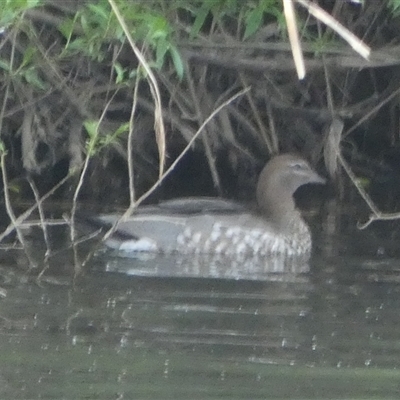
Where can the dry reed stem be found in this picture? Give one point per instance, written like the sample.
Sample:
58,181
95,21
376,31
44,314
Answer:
155,92
130,142
270,138
199,116
358,45
334,136
294,39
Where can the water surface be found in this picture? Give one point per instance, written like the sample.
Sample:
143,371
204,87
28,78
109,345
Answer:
108,332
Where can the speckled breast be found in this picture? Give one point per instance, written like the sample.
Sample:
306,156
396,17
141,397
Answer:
239,240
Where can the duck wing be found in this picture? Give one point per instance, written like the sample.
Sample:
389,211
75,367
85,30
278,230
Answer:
194,205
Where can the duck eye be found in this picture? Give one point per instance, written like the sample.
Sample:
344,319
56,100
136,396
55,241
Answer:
297,166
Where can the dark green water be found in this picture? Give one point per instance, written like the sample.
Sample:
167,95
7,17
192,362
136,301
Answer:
332,333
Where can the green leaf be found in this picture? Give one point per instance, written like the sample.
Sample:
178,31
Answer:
395,6
28,55
84,24
112,138
364,182
177,61
91,127
120,34
100,11
32,77
199,21
67,27
120,72
232,5
7,16
161,50
133,73
253,22
158,27
79,44
13,187
4,65
122,129
33,3
2,147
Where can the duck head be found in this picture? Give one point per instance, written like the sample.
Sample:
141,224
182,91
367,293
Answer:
278,181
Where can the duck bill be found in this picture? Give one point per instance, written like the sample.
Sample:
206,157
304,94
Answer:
315,178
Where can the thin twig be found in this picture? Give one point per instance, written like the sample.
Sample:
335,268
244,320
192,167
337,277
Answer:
46,265
376,213
30,210
10,211
132,207
372,112
269,138
379,217
85,167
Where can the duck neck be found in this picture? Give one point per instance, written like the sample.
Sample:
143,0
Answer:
281,211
